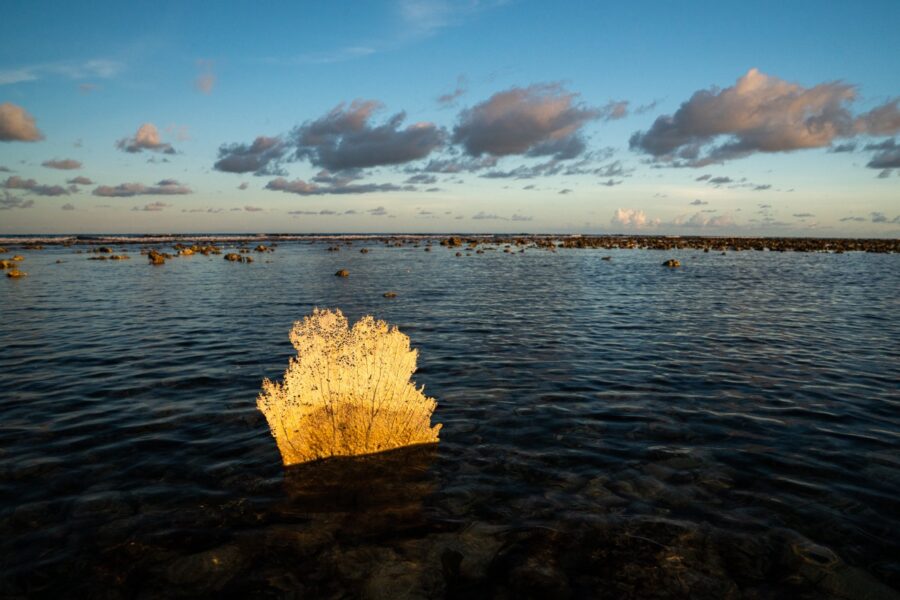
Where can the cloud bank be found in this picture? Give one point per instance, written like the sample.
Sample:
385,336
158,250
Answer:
760,113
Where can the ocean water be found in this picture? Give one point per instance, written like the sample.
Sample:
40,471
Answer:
611,428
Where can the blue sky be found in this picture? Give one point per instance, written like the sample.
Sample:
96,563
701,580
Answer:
773,118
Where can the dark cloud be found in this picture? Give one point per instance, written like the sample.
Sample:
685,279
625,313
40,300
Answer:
9,202
262,157
565,191
856,219
539,118
80,180
345,139
5,170
611,182
252,209
520,218
377,212
879,217
699,202
803,215
704,177
67,206
760,113
15,182
450,98
303,188
423,178
762,187
166,187
839,148
483,216
614,110
152,207
887,155
64,164
146,138
720,180
243,186
16,125
455,165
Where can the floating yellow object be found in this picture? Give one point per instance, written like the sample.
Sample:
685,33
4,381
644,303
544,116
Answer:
348,391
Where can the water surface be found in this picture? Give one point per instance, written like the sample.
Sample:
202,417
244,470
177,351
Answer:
611,428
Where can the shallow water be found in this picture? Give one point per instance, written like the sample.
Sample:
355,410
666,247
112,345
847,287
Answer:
610,428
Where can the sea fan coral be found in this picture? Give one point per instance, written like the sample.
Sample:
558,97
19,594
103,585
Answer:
347,393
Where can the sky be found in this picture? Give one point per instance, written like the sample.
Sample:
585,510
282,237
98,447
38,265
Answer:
656,117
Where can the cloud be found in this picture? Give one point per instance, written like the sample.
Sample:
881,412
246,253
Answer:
630,217
839,148
15,182
423,178
521,218
803,215
611,182
206,80
253,209
80,181
542,119
100,68
262,157
720,180
855,219
16,125
700,220
565,191
67,206
449,99
146,138
760,113
9,202
879,217
614,110
345,139
699,202
377,212
483,216
166,187
152,207
64,164
303,188
886,157
243,186
455,165
704,177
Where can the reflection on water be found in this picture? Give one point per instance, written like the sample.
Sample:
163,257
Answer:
611,428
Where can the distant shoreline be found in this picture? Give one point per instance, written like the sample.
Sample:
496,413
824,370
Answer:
544,241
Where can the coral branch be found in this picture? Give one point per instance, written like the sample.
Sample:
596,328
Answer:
348,391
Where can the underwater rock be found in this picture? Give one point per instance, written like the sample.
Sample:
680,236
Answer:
672,263
343,273
390,294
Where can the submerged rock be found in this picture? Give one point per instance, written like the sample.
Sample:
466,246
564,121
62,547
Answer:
672,263
342,273
390,294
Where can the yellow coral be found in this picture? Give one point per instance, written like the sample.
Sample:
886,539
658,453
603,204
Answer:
348,391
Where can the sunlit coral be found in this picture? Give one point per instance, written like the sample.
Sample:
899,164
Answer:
348,391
